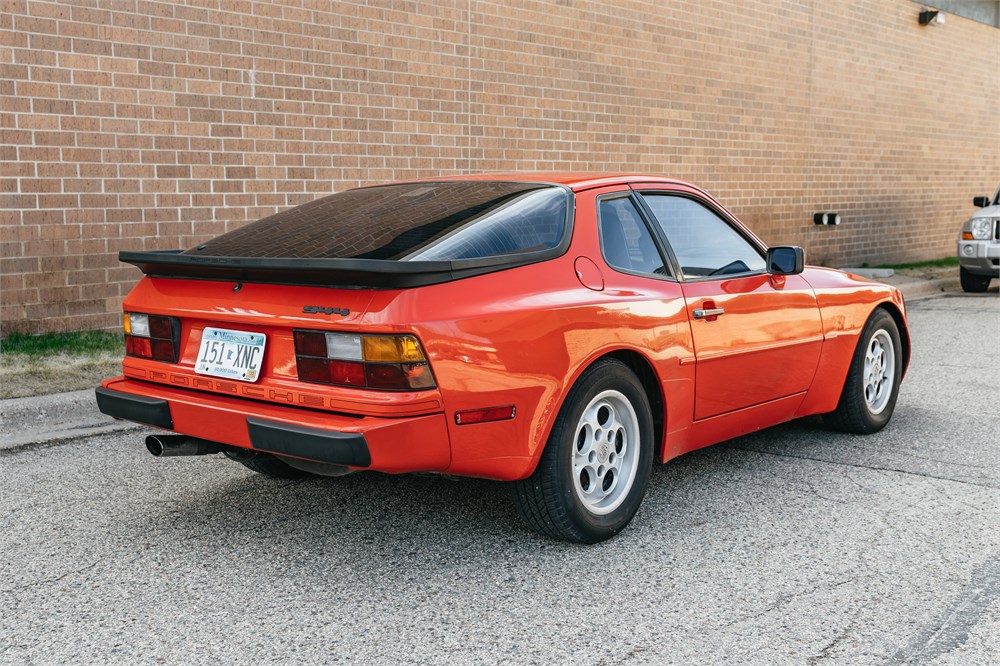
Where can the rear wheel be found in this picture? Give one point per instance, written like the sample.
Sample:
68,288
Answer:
268,465
595,467
872,385
972,283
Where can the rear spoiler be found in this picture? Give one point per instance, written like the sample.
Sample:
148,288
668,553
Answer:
372,273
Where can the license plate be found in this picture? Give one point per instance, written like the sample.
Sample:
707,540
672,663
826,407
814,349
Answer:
231,354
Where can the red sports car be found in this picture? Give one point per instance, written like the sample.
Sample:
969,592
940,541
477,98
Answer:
560,331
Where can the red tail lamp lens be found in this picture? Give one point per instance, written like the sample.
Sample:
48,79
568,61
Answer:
399,376
163,350
140,347
313,370
347,373
309,343
159,327
386,376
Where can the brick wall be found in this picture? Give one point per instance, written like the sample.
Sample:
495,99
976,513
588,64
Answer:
133,124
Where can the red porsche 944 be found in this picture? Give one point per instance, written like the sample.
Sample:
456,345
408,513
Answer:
560,331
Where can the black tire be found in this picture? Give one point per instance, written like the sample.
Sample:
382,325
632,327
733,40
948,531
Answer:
854,413
268,465
972,283
549,500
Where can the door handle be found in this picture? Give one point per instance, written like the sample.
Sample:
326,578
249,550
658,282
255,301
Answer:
709,312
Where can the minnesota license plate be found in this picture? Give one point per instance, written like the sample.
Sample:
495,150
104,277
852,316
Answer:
230,354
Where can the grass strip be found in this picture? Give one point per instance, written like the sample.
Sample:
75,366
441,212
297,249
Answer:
943,262
84,343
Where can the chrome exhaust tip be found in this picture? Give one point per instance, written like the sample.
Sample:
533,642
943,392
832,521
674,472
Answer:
179,445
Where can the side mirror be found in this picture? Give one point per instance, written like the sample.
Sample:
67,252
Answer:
981,202
785,260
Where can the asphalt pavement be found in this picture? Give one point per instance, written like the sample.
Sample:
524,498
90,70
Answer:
794,545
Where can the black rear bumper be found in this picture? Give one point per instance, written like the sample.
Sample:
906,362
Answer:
287,439
138,408
339,448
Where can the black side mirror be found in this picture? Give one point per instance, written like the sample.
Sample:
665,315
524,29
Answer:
981,202
785,260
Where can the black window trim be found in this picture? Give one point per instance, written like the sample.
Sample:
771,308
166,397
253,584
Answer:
722,215
657,243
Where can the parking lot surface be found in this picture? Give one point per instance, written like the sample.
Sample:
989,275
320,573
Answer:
794,545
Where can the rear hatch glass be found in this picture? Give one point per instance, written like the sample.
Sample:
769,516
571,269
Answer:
413,222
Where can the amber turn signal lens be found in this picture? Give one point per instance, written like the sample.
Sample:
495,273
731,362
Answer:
967,235
392,349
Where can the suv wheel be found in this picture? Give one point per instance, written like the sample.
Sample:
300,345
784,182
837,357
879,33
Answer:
972,283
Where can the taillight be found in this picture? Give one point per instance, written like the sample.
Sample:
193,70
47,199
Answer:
387,362
152,336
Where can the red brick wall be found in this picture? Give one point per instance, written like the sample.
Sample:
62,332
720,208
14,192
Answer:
133,124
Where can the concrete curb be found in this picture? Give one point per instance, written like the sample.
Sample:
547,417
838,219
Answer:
910,286
916,288
47,418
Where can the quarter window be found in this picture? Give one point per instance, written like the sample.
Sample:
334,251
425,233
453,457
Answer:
625,239
705,244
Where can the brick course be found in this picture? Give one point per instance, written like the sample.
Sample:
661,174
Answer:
155,125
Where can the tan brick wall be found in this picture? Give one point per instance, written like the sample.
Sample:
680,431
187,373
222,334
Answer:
132,124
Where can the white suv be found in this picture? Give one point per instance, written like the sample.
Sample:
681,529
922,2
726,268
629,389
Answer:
979,245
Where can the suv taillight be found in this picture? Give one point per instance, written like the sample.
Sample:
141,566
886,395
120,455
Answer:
386,362
152,336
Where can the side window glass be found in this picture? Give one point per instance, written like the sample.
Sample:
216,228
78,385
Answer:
625,239
704,243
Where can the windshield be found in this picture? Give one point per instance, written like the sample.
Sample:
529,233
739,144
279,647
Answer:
408,222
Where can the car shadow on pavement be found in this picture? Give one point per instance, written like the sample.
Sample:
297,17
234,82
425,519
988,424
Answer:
381,518
384,516
435,516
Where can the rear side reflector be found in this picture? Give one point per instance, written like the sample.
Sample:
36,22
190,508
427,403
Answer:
485,415
385,362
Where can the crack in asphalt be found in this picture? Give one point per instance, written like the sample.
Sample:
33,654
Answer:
952,498
48,581
841,635
950,309
784,600
860,466
909,454
952,629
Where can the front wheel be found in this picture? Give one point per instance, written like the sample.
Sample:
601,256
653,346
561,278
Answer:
972,283
593,472
872,385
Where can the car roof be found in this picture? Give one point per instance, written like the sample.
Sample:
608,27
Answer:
575,180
